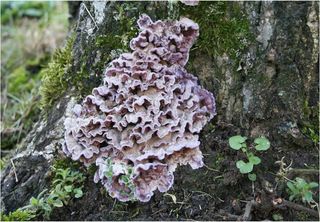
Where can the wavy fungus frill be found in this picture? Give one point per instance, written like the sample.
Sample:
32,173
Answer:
145,119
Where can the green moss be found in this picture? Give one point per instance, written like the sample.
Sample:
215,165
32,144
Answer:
312,134
220,32
18,215
105,47
306,108
310,127
63,163
2,163
303,216
224,27
218,160
117,42
54,82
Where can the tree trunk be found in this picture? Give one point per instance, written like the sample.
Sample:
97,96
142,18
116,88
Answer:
268,87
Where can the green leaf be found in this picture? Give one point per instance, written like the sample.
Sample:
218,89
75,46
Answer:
47,207
78,193
313,185
34,201
262,143
300,183
68,188
108,174
125,179
57,181
291,197
254,160
277,217
244,167
307,196
235,142
291,186
252,176
58,203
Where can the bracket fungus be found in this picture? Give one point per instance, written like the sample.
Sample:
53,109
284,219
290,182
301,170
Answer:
145,119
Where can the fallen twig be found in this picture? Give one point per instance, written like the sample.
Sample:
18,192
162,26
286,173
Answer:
247,213
202,193
227,216
14,170
298,207
209,168
293,171
95,23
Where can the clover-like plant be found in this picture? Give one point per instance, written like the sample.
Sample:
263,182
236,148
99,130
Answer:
239,143
299,189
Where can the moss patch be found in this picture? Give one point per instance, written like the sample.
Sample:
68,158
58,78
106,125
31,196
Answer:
53,76
224,28
18,215
108,43
310,128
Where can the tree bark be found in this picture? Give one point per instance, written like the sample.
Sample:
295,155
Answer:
271,90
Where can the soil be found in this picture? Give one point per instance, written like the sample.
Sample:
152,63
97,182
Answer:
215,192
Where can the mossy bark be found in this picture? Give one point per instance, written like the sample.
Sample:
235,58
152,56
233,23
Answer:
265,86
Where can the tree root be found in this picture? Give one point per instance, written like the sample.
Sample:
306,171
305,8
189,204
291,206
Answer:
284,203
278,203
293,172
227,216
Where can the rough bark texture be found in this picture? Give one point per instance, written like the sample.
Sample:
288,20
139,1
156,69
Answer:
271,89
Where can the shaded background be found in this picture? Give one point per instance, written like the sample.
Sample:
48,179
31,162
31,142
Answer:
30,33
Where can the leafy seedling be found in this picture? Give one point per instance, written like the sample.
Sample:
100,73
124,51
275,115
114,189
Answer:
239,143
66,184
244,167
236,142
262,143
299,189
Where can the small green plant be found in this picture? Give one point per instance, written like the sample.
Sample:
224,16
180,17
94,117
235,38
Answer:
67,184
277,217
239,143
299,189
18,215
39,205
312,134
70,182
125,179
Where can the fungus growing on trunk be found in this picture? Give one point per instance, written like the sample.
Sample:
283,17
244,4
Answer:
145,119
